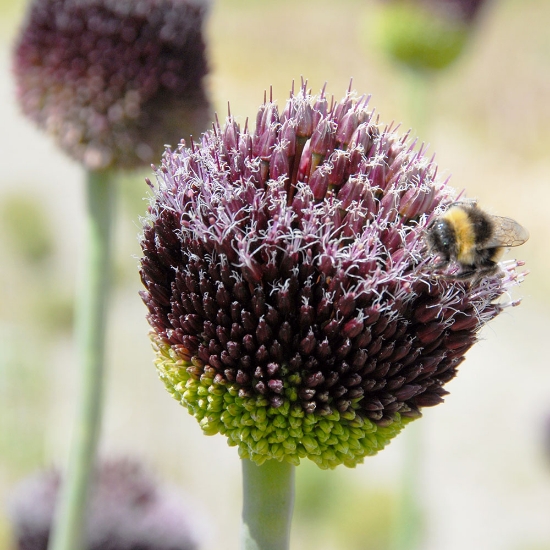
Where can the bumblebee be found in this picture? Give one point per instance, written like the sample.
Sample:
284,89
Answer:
473,239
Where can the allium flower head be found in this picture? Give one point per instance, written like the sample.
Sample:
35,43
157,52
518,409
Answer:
113,81
127,511
427,34
289,287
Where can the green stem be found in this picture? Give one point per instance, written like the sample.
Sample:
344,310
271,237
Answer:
420,86
70,526
409,529
409,526
268,499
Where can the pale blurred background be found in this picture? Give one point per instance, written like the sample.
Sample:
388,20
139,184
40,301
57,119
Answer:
484,477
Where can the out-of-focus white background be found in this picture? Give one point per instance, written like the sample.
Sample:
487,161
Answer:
483,478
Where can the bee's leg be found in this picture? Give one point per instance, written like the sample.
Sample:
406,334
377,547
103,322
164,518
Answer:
476,274
468,272
464,275
433,269
488,270
442,264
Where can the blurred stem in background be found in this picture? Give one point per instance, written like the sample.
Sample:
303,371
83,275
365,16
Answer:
111,82
420,84
424,37
69,525
268,501
409,530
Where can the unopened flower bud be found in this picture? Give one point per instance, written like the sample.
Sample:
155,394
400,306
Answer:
426,34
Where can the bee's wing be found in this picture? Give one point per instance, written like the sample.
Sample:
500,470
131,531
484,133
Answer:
507,232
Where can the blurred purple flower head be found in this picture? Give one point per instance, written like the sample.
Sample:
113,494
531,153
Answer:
289,286
111,80
460,10
127,511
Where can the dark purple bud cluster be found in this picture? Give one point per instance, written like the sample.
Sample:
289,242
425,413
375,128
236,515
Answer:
289,287
113,81
127,510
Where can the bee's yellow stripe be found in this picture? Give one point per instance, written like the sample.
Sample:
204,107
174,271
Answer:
464,232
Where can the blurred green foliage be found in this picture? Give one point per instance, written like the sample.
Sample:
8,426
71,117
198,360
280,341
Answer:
30,244
331,507
27,229
23,381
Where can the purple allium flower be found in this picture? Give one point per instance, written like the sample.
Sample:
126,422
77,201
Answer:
289,286
427,34
112,80
460,10
127,511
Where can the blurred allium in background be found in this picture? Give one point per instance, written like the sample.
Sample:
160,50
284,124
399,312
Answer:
111,80
289,286
426,34
127,511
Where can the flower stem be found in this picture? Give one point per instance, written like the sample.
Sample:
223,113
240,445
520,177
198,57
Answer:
408,532
69,528
409,529
268,500
420,97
